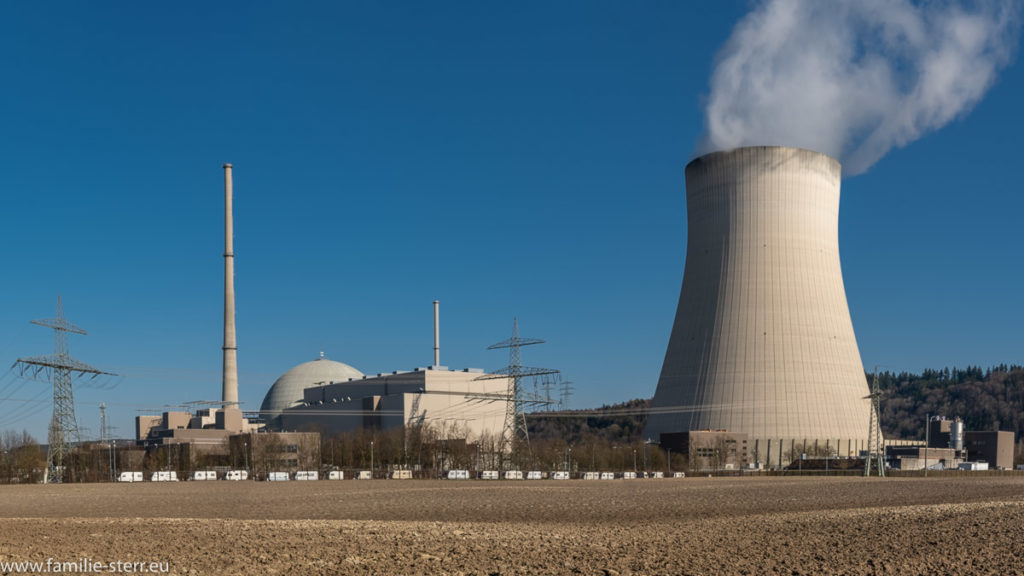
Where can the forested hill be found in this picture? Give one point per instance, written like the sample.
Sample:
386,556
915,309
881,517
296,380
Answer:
986,399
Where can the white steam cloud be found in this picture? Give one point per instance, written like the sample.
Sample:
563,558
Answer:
853,79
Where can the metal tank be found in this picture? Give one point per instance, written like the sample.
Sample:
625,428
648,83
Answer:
956,435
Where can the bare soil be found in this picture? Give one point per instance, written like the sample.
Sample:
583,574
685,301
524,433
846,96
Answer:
952,525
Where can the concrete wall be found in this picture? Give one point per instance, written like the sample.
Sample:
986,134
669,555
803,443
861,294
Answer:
762,342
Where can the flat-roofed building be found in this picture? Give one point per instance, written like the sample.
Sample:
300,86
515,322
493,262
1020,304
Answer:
457,404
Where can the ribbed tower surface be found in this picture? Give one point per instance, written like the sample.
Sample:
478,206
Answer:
762,341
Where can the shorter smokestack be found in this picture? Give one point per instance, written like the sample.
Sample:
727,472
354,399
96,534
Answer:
437,334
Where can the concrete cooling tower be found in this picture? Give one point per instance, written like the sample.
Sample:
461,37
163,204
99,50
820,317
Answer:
762,342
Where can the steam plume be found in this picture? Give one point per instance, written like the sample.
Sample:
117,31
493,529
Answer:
853,79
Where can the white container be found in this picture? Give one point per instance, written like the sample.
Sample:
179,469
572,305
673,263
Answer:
307,475
364,475
973,466
336,475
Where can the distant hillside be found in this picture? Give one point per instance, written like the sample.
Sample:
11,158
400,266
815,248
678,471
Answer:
990,399
986,399
574,428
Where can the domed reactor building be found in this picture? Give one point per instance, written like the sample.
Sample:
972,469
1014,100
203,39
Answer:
762,349
287,391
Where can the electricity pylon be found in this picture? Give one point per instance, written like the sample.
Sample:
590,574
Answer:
514,435
876,446
61,370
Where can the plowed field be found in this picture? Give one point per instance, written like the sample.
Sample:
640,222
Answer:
963,525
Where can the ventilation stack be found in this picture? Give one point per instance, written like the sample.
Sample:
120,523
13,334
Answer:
229,381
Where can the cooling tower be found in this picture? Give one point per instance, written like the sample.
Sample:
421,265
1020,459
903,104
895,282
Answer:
762,341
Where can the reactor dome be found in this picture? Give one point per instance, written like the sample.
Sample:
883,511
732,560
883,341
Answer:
287,390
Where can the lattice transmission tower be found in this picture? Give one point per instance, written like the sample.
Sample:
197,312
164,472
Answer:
876,445
515,439
61,370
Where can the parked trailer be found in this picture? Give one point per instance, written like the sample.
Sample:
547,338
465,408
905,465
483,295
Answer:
679,474
489,475
657,474
607,475
307,475
534,475
629,475
203,475
277,476
336,475
364,475
458,475
164,476
560,475
401,474
236,475
130,477
591,475
513,475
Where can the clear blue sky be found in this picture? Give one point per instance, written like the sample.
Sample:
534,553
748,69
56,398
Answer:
520,159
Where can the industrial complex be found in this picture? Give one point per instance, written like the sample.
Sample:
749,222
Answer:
761,372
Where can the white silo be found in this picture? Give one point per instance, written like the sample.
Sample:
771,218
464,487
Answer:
762,342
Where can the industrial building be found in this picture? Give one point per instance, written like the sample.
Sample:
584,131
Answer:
709,450
457,404
263,453
334,398
762,342
948,446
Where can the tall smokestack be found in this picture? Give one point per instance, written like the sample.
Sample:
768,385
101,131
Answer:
437,334
229,383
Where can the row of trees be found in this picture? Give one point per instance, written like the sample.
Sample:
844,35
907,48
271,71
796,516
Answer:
22,460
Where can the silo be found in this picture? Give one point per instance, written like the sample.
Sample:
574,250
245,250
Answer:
956,435
762,341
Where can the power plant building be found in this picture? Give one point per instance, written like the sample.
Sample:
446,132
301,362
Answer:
456,404
762,342
288,391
